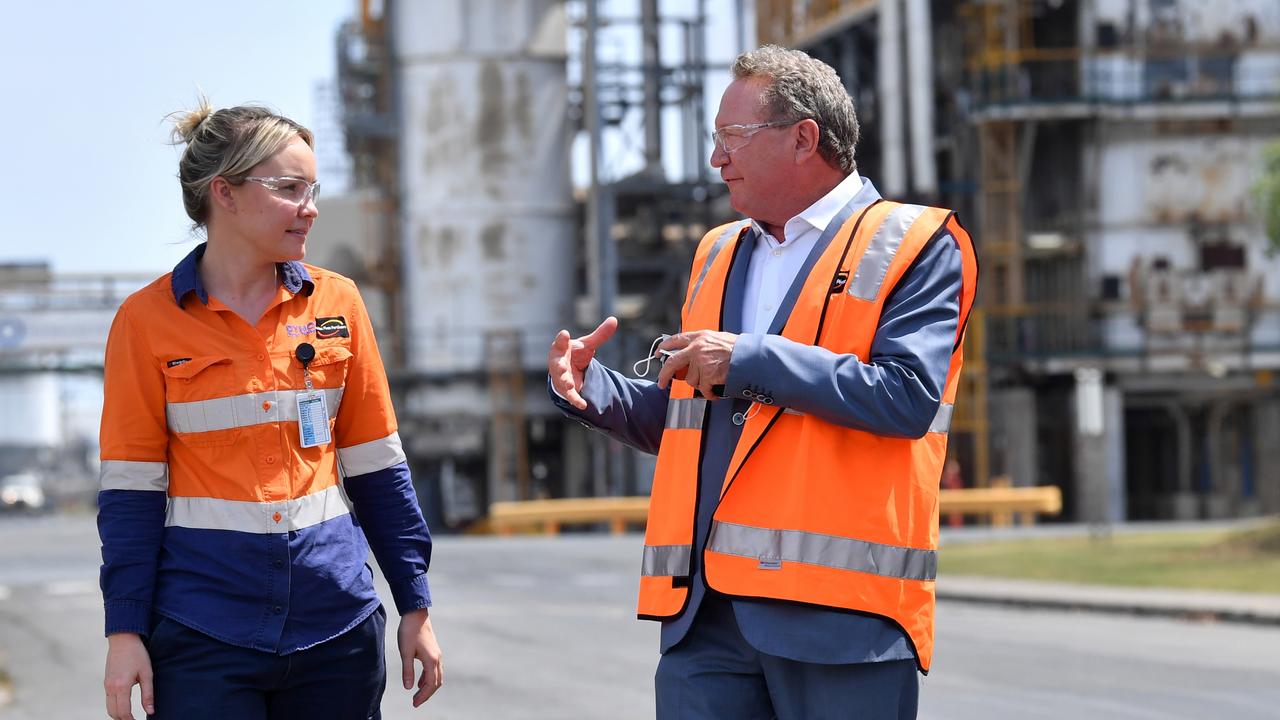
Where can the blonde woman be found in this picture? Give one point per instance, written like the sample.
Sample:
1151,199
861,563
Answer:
251,460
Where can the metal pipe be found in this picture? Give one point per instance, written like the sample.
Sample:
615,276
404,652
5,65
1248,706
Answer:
889,85
649,32
924,173
599,288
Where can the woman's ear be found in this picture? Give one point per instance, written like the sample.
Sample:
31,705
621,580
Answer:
220,194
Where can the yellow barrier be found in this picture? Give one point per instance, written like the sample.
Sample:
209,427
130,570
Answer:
506,517
998,503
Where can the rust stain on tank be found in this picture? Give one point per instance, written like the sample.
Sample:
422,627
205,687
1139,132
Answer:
491,126
424,245
492,241
520,107
447,245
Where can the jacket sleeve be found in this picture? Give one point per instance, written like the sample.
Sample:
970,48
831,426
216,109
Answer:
134,479
630,411
375,472
895,392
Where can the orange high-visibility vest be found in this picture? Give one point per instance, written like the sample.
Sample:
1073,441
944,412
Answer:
812,512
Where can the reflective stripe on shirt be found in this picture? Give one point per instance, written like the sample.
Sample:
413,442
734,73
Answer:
372,456
239,411
257,517
133,475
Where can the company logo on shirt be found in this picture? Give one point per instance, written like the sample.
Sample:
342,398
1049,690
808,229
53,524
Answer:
331,327
300,330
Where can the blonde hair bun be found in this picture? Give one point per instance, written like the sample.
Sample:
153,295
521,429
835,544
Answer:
187,123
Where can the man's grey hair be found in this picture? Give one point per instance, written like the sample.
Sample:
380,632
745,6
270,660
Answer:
803,87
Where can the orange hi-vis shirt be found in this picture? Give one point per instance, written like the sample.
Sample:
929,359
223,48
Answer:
214,512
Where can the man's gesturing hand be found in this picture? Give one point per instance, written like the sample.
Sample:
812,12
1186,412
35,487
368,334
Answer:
568,360
700,358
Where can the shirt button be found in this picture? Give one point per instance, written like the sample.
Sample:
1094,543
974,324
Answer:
777,252
279,563
271,459
768,307
277,609
276,517
266,406
260,356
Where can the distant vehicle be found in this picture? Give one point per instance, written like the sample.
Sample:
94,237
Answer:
21,492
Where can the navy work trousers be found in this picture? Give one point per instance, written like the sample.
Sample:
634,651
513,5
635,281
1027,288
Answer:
200,678
715,674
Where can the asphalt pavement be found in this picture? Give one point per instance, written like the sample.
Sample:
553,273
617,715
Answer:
536,627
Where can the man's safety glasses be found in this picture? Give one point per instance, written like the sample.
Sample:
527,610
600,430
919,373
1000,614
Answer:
294,189
733,137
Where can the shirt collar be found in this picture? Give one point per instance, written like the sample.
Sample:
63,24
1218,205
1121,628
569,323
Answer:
819,214
186,277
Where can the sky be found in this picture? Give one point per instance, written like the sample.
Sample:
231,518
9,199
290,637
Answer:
88,182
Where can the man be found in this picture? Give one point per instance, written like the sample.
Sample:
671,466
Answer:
800,420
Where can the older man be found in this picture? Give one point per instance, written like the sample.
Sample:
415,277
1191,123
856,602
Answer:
800,420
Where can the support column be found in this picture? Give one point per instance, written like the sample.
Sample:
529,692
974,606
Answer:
1266,451
1184,503
1093,491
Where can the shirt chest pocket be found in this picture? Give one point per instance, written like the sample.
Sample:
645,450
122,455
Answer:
202,397
329,368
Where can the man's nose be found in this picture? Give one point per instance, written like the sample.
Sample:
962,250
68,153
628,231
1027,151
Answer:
719,158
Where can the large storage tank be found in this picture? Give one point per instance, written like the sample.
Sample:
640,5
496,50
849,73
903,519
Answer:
488,238
488,211
31,410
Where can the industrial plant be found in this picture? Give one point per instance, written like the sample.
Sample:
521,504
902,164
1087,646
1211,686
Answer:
520,166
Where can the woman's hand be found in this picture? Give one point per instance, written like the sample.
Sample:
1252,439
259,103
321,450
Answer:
418,641
128,664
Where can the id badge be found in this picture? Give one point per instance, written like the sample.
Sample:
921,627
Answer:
313,419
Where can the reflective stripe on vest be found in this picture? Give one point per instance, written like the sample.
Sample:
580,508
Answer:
773,547
883,248
257,517
942,420
133,475
686,413
666,560
239,411
729,233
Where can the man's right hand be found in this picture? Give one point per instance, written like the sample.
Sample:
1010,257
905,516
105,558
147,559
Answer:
128,664
569,357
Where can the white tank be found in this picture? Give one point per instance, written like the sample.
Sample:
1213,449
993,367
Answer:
489,232
32,409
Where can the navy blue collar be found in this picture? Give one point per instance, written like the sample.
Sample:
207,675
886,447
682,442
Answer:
186,277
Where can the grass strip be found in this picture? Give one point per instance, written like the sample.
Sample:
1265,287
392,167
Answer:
1201,560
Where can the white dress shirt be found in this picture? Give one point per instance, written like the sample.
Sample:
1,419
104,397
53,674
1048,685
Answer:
774,265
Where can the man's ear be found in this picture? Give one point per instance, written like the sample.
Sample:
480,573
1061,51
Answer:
807,136
220,193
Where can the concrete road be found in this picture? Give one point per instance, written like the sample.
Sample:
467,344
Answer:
543,628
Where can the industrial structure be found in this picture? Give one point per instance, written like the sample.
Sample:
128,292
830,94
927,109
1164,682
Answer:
1101,152
53,329
519,166
464,229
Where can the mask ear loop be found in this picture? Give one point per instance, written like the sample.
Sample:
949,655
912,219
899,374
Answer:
742,418
653,355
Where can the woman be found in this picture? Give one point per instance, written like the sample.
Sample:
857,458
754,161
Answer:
234,573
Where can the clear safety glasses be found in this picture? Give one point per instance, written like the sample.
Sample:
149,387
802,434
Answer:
733,137
294,189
